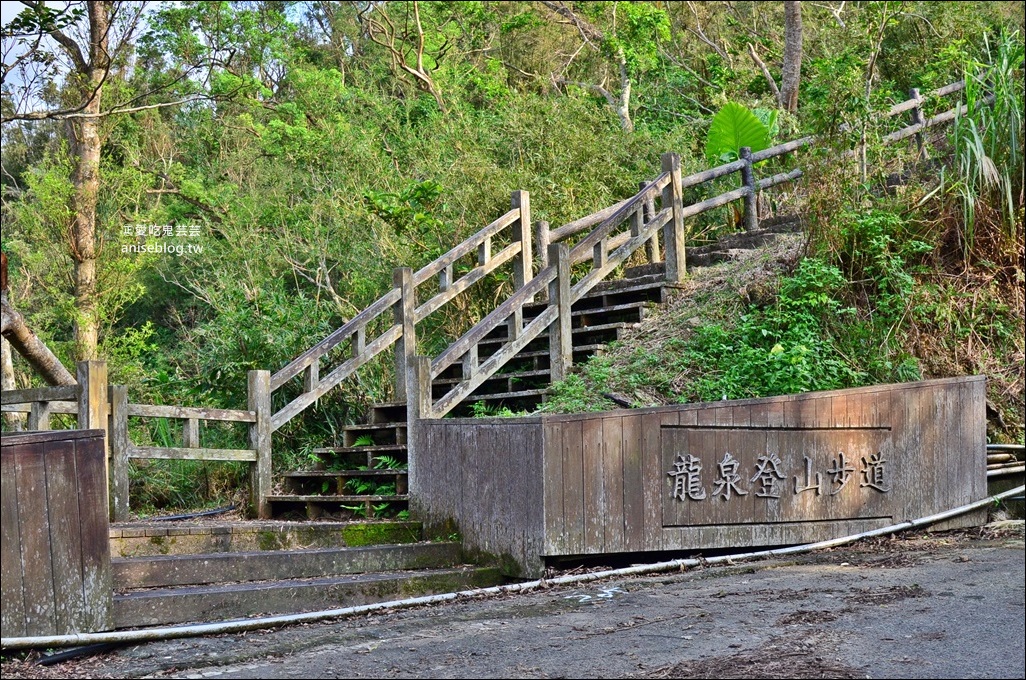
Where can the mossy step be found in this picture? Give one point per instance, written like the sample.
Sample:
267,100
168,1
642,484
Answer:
180,538
165,571
224,602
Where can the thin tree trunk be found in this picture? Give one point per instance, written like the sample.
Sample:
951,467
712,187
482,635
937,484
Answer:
84,137
14,421
792,71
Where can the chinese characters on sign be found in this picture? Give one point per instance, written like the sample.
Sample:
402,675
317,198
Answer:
768,479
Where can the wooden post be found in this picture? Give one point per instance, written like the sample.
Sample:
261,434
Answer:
561,350
523,265
92,397
190,433
748,180
406,345
541,230
673,232
39,416
418,406
648,212
917,117
119,444
259,384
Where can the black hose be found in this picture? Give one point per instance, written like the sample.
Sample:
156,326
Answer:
193,515
74,653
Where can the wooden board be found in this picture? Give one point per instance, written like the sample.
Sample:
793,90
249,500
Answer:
56,548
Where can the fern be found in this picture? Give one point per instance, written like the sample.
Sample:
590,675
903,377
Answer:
388,463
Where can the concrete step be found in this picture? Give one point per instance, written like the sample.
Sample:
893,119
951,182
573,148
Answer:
139,539
166,571
229,601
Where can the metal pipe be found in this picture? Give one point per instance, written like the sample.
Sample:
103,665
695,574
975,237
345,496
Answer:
999,472
169,633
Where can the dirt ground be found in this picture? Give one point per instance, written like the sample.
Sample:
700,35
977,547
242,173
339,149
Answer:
923,605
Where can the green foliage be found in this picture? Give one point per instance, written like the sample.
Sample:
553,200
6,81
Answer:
734,127
388,463
783,349
988,139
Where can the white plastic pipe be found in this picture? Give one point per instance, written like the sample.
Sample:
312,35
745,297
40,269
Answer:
238,626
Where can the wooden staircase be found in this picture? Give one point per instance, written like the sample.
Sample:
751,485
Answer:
366,475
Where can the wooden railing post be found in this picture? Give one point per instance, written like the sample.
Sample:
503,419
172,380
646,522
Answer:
92,397
561,351
917,117
259,384
542,231
119,453
405,346
39,416
523,265
418,407
751,198
92,409
648,212
673,232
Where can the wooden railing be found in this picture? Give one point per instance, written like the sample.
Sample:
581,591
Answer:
401,301
98,405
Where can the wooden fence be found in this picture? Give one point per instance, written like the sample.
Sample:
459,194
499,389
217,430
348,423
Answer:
98,405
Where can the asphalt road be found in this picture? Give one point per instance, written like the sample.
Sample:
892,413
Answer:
926,606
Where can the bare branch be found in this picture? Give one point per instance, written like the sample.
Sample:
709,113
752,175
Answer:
766,74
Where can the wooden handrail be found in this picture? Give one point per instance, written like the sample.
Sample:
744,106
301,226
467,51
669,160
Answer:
470,278
912,103
468,246
340,373
191,412
361,320
58,393
633,204
492,321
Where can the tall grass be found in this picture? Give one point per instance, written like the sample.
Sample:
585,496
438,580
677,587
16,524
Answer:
987,138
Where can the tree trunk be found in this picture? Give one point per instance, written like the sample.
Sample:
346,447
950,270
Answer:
791,75
31,347
623,106
15,422
84,138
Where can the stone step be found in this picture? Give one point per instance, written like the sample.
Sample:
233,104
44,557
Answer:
230,601
141,539
165,571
